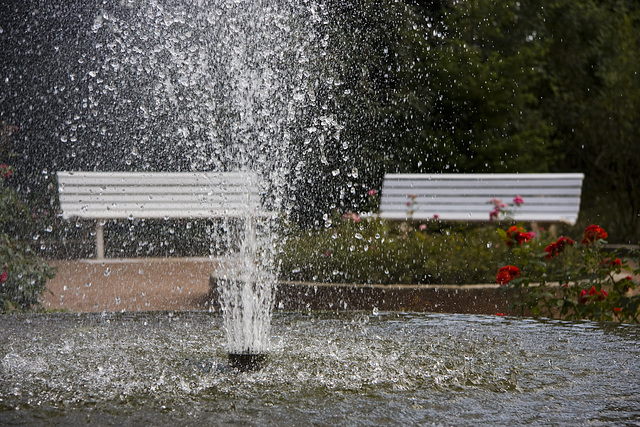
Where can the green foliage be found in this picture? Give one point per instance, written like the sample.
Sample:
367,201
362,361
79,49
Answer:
23,275
593,62
486,75
26,276
575,281
352,249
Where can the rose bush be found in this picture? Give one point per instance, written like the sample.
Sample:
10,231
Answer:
573,282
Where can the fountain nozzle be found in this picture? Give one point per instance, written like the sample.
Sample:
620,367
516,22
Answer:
247,362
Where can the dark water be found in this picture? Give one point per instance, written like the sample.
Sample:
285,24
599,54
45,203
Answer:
324,369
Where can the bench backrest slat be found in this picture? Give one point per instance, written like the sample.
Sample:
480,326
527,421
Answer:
465,197
107,195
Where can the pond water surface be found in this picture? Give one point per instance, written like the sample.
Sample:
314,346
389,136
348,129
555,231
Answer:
352,368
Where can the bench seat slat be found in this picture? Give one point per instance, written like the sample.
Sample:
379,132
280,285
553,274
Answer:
479,217
184,214
68,189
163,205
483,176
200,199
484,191
482,208
141,208
479,201
437,184
156,178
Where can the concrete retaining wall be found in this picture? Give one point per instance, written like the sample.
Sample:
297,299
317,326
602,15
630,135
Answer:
473,299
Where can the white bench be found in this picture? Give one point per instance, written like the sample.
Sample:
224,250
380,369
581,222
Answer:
121,195
548,197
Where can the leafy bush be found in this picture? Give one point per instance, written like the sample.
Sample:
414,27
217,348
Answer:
572,280
354,249
23,275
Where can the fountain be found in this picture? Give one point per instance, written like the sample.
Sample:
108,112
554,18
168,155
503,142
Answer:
224,75
166,85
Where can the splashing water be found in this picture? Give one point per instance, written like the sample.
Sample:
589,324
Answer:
197,86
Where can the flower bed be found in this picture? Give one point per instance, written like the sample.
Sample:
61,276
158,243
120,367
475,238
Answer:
544,276
369,250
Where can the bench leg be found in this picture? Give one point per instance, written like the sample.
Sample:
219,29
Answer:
99,239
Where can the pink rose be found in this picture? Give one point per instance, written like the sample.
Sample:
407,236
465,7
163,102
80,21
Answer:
5,170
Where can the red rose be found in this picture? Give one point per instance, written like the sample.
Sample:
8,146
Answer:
613,264
3,276
592,294
593,233
517,235
555,248
507,274
583,296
